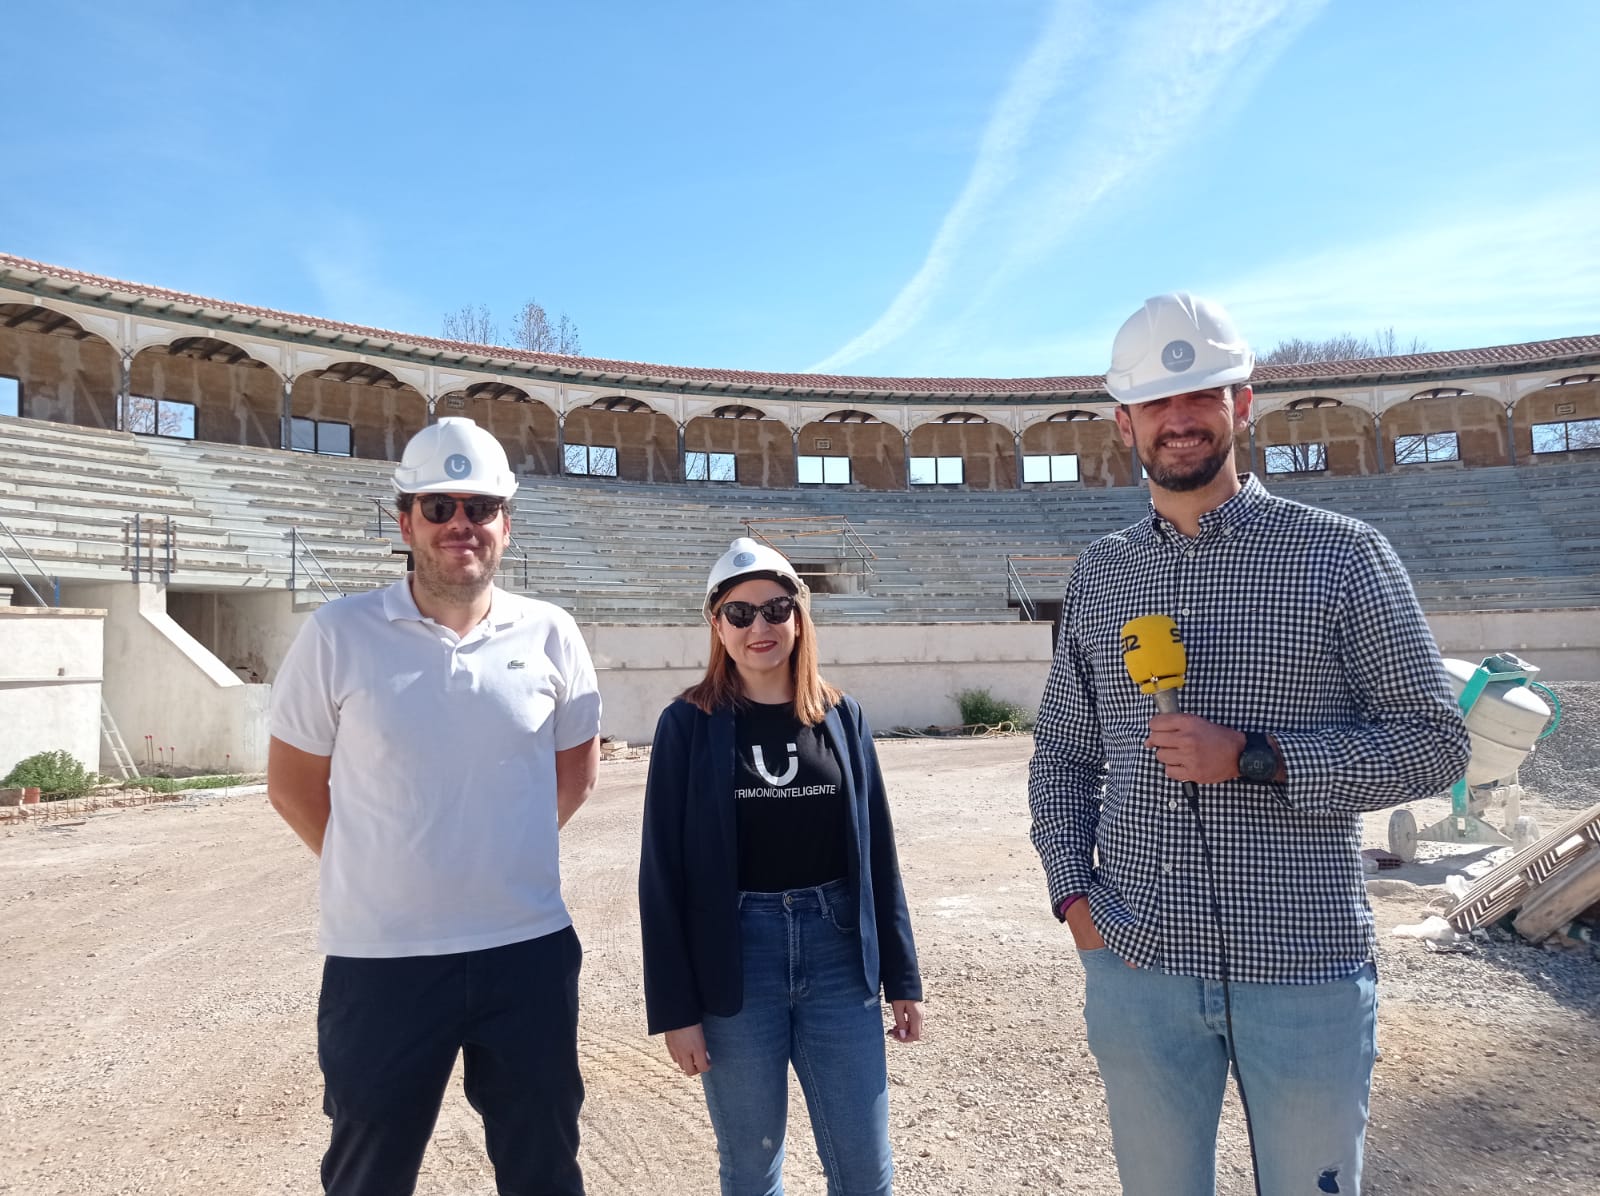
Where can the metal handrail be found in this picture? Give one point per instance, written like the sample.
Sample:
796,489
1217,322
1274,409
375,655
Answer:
384,512
11,565
297,544
850,540
138,550
1018,588
514,552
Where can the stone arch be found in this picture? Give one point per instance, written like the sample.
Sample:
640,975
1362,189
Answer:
1345,430
988,451
525,425
876,449
383,412
64,372
1568,400
762,447
235,398
1477,421
646,441
1091,437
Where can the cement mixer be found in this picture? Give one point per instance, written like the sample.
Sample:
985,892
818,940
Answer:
1506,716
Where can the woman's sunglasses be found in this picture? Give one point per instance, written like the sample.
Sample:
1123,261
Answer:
775,611
441,508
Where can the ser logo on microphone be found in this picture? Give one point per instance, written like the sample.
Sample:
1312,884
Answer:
1153,652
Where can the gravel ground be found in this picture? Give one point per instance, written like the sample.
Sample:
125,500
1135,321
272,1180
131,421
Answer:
161,970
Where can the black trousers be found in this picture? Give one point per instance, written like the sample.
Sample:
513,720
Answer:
388,1031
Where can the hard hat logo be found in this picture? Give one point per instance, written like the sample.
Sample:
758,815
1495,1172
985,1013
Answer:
744,560
1177,356
457,466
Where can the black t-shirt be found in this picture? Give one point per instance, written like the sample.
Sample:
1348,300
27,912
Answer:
788,802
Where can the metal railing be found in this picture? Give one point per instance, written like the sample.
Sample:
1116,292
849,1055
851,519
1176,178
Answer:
383,512
316,572
850,543
54,582
169,544
1039,569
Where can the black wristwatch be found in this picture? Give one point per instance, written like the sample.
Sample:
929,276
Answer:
1258,762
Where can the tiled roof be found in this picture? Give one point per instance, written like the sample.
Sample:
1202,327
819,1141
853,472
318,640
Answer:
1281,376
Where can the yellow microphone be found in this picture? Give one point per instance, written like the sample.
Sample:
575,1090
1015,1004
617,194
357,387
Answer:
1153,652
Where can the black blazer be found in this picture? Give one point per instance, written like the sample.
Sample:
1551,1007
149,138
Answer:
688,871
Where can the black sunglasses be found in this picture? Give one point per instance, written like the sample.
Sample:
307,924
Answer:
441,508
775,611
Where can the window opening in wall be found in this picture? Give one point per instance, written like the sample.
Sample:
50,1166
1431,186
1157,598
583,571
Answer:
593,460
824,471
1296,458
936,471
710,467
326,436
1567,436
10,396
1051,467
158,417
1425,447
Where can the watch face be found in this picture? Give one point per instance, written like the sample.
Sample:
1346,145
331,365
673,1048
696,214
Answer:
1257,762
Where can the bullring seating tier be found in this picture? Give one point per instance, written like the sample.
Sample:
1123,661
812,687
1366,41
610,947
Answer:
1473,539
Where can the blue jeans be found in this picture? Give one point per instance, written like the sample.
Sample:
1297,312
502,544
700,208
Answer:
806,1002
1305,1054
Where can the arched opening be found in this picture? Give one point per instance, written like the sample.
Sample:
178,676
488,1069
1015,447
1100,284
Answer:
1316,436
1445,426
381,411
740,445
524,425
851,448
962,448
202,388
1560,421
619,436
1076,446
51,367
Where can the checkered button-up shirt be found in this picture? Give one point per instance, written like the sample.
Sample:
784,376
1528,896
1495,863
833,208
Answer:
1298,622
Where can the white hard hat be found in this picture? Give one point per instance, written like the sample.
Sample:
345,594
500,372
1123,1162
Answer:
1175,344
747,558
454,456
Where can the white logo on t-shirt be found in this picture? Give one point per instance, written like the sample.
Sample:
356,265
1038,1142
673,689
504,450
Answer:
794,765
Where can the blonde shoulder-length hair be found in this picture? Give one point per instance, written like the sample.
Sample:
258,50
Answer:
721,687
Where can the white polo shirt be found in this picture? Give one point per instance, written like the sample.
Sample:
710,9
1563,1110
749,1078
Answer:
443,831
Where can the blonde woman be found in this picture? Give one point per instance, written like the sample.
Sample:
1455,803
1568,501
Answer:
769,892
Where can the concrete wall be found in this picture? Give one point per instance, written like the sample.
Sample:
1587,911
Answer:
161,681
248,631
64,379
1565,644
903,674
50,677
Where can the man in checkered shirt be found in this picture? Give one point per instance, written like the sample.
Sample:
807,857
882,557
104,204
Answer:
1313,693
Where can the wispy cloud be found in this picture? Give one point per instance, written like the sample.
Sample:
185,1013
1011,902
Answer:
1051,153
1470,277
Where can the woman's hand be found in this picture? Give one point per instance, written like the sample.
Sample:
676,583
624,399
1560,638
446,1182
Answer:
907,1021
688,1049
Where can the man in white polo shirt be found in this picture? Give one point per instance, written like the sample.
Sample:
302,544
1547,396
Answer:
428,742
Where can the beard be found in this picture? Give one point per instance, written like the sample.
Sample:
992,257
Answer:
1195,475
458,583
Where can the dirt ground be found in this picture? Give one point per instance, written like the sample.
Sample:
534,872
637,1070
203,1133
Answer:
160,976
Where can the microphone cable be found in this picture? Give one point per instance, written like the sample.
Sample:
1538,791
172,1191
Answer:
1157,660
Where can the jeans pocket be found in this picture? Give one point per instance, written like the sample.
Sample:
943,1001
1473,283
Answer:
841,909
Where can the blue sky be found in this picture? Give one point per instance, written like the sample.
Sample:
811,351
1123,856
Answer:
903,187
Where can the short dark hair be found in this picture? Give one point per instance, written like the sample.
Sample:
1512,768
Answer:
402,503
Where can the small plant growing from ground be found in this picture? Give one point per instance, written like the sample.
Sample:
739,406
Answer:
56,775
979,707
179,784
